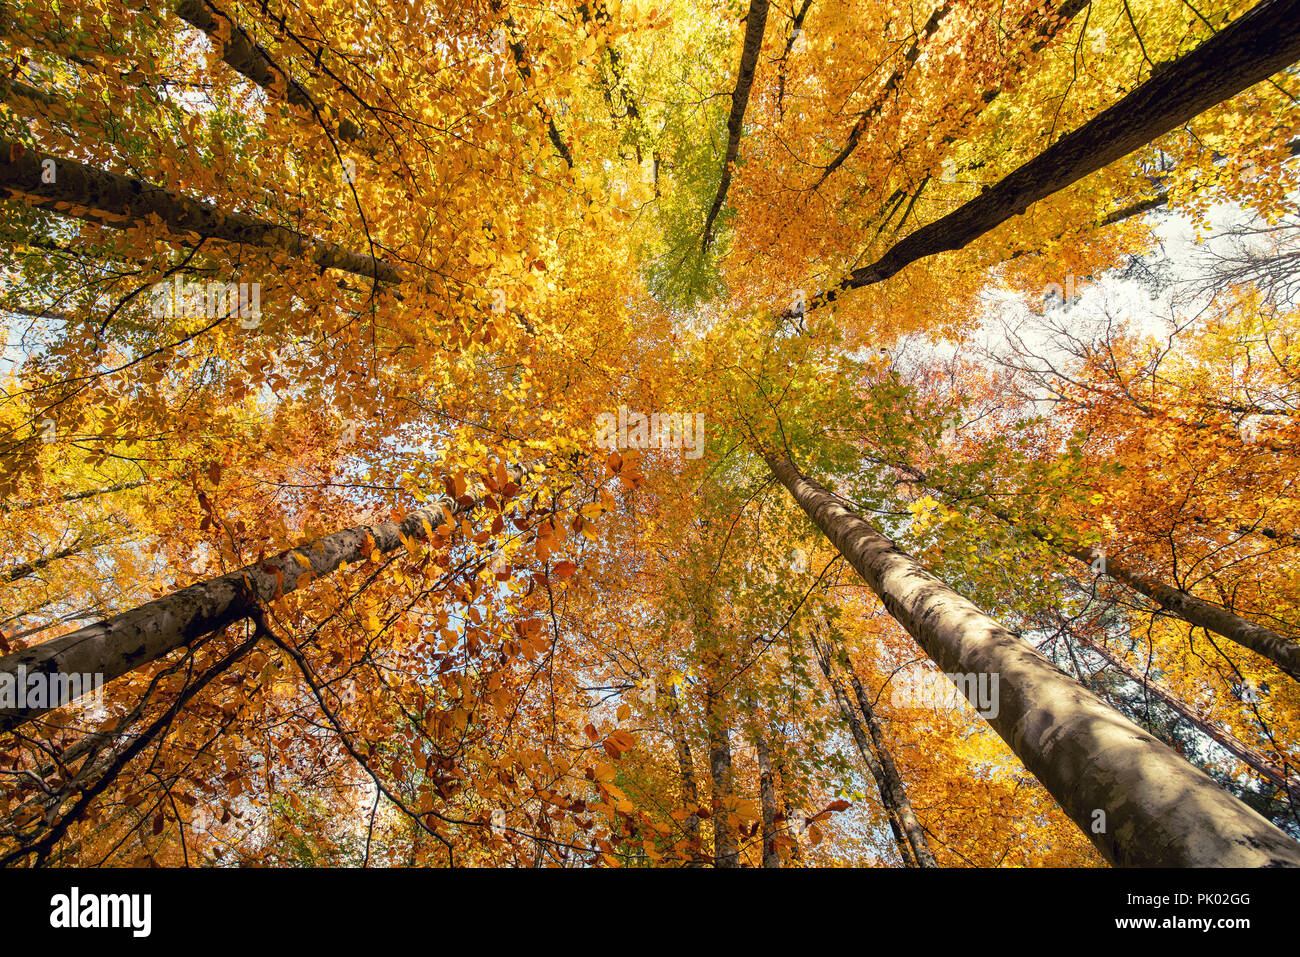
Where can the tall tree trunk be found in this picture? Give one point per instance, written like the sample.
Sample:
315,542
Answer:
1135,799
685,768
868,754
52,623
1046,24
872,112
893,780
145,633
525,71
785,788
1281,650
767,795
726,851
787,809
36,564
755,24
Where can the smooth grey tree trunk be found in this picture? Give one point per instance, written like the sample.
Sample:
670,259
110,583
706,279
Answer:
873,765
726,850
767,795
134,638
1136,800
1281,650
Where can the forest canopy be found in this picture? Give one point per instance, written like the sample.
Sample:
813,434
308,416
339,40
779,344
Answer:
650,433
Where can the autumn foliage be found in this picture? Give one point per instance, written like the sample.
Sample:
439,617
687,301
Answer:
472,228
